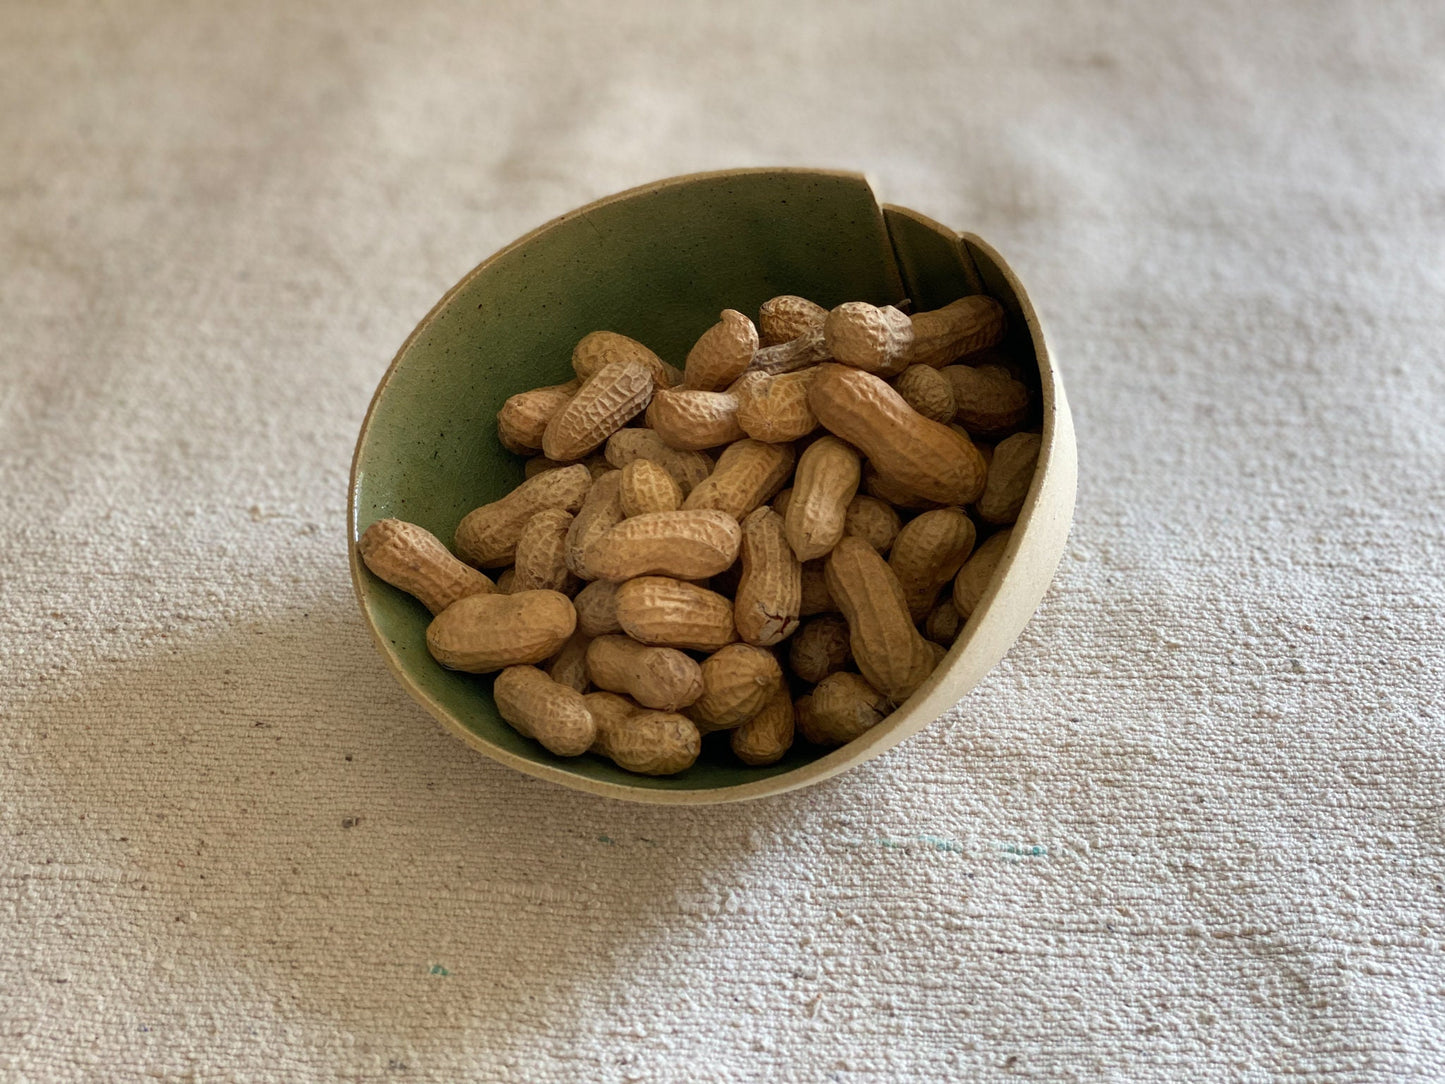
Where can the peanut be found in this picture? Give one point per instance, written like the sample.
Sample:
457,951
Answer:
487,536
783,318
977,574
888,649
656,677
815,596
690,420
482,633
780,502
541,553
943,622
1009,478
569,666
927,553
524,416
744,386
647,487
506,580
923,456
876,340
686,544
826,481
807,349
600,512
748,474
776,409
596,606
687,468
927,391
819,648
765,737
540,708
872,520
652,743
841,707
944,335
723,352
890,492
770,589
601,348
938,653
608,711
413,559
737,681
990,401
613,396
673,613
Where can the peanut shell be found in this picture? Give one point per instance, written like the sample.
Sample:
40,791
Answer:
414,560
482,633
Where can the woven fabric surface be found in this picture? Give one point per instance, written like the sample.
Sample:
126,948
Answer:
1192,826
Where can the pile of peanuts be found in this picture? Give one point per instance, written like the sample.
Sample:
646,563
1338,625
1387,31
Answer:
759,543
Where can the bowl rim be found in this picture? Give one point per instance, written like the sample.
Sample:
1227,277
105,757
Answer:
1043,524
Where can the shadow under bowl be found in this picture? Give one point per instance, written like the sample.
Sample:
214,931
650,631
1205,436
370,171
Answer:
658,263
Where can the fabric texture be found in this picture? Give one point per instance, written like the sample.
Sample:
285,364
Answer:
1192,826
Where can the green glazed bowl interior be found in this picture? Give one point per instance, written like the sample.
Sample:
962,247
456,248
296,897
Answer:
657,263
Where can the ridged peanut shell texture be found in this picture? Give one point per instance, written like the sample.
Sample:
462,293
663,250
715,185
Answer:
977,573
765,737
887,648
776,409
655,677
770,588
688,544
541,563
482,633
944,335
647,487
413,559
823,487
653,743
601,511
819,648
842,707
524,417
990,401
872,520
923,456
874,339
690,419
748,473
603,405
736,682
787,316
540,708
723,352
599,349
927,391
1009,477
487,536
673,613
927,553
687,468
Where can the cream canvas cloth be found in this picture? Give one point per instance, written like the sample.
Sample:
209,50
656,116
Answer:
1193,826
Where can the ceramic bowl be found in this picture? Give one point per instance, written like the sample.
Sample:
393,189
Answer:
658,263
